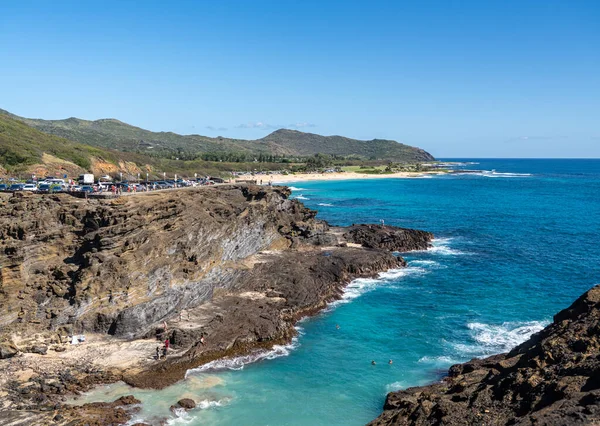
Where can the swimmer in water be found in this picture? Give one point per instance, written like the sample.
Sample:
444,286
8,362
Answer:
337,326
373,362
390,362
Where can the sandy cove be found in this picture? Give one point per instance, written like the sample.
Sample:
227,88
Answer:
230,269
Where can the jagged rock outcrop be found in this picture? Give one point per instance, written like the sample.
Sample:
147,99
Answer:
389,237
552,379
219,271
119,266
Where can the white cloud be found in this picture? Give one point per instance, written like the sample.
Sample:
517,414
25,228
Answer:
262,125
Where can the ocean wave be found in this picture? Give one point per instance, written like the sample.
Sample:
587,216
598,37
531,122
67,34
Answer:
238,363
301,197
182,417
442,246
293,188
493,174
325,204
396,386
497,338
438,360
206,404
361,286
430,264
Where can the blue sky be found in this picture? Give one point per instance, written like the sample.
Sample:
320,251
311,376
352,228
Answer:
457,78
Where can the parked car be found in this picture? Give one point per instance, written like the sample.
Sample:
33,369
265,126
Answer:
44,187
16,187
87,188
30,187
161,184
3,187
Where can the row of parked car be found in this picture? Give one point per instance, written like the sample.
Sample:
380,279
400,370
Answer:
51,187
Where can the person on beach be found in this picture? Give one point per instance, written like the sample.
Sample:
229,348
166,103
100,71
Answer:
164,350
202,339
158,352
167,344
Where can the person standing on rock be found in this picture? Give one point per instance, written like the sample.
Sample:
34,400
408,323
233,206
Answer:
166,344
158,352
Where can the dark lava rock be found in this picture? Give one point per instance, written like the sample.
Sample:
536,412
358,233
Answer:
185,403
551,379
8,350
38,349
102,413
389,237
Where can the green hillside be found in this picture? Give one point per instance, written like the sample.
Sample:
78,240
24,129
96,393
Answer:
22,146
114,134
25,150
293,142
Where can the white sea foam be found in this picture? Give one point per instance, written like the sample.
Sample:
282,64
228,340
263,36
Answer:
494,174
207,404
442,246
238,363
492,339
396,386
361,286
429,264
325,204
301,197
182,417
293,188
438,360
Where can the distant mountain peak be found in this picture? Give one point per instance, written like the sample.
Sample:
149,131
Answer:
115,134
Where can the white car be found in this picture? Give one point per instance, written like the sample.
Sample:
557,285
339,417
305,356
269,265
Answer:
30,187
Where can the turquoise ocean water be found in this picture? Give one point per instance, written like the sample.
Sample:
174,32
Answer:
514,245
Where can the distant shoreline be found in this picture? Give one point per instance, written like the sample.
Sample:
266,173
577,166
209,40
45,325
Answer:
306,177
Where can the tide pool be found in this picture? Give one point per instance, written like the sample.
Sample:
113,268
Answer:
514,244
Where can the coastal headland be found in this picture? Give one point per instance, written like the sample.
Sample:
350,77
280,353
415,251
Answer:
551,379
219,271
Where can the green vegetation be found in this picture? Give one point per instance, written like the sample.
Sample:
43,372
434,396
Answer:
22,146
281,146
27,145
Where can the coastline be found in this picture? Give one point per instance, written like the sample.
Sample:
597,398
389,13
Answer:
309,177
254,284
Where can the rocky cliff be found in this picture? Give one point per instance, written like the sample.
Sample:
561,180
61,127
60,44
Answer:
219,271
552,379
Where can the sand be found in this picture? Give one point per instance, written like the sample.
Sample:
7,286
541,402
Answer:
304,177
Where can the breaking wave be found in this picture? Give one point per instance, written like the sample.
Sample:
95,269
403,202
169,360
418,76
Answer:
442,246
438,360
361,286
325,204
396,386
494,174
301,197
489,339
293,188
238,363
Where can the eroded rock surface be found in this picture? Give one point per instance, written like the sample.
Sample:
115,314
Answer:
389,237
552,379
219,271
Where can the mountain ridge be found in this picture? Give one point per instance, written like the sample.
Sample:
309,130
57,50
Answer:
115,134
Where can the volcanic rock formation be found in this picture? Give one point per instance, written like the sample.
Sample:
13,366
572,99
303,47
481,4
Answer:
552,379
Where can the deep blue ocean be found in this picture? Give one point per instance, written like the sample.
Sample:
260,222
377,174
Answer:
514,245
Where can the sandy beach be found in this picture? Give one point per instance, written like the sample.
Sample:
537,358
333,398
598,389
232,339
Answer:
304,177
